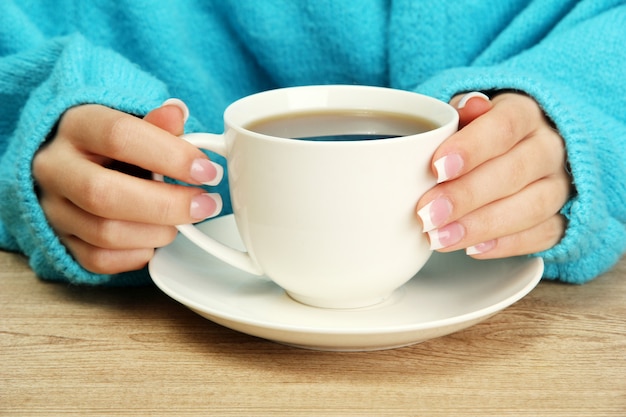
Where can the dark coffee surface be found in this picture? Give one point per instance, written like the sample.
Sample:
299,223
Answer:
342,125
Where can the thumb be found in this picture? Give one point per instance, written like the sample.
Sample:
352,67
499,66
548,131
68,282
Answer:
470,106
171,116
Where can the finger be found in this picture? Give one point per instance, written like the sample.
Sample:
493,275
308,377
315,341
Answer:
536,239
521,211
171,116
107,134
69,220
470,106
115,195
529,161
111,194
512,118
107,261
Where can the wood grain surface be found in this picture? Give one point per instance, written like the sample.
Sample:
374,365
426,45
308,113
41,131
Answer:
76,351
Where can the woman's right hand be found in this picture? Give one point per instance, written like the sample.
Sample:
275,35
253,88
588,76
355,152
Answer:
95,187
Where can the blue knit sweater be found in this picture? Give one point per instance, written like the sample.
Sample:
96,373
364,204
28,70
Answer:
132,55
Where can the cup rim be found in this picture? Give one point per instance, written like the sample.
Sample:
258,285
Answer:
231,121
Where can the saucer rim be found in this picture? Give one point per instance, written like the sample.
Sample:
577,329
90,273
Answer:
533,264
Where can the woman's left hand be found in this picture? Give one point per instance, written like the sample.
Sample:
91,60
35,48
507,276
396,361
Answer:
502,181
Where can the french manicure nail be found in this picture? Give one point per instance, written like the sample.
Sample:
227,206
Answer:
435,213
448,166
481,247
205,205
446,236
206,172
178,103
469,96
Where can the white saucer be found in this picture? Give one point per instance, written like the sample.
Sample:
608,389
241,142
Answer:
452,292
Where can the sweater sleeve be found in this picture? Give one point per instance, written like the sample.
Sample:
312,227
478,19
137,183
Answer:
39,80
575,71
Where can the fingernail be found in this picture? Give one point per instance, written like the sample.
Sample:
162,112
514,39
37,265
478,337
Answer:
205,205
206,172
481,247
435,213
448,166
178,103
469,96
446,236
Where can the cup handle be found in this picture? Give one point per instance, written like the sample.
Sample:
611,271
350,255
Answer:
234,257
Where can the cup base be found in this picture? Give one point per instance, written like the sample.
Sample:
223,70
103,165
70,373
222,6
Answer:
339,304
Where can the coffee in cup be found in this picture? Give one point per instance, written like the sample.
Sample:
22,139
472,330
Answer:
324,182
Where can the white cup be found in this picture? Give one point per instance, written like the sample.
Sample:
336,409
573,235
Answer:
331,222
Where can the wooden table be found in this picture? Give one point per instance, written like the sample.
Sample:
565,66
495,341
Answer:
65,351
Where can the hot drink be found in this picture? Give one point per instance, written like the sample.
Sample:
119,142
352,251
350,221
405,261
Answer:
342,125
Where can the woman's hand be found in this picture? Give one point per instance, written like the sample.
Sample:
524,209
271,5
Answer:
95,187
502,181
